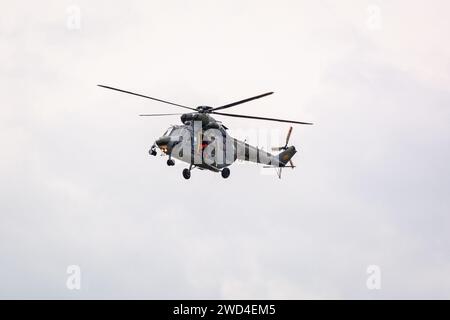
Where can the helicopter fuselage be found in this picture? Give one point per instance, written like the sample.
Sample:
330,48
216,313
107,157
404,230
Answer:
204,143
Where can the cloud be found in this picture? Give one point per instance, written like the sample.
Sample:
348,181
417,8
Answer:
78,186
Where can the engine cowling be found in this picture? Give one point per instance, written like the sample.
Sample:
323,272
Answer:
204,118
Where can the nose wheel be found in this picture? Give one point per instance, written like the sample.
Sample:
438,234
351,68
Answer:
152,151
170,162
186,173
225,173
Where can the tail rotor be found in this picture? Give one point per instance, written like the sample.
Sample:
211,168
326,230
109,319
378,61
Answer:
288,136
283,148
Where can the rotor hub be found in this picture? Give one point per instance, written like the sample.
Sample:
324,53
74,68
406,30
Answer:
204,109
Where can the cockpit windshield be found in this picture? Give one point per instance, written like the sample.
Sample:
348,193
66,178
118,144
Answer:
177,131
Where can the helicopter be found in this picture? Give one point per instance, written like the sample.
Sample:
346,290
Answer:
204,143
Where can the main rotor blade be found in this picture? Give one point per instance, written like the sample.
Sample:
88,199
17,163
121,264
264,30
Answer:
242,101
258,118
159,114
141,95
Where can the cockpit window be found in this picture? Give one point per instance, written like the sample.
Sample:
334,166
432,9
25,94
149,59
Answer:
168,131
178,132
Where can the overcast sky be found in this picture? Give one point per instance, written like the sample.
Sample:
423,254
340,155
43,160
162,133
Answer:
371,185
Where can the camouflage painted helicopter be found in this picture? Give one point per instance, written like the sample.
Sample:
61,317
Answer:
203,142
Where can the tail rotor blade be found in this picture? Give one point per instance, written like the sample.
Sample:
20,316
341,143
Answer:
279,171
288,135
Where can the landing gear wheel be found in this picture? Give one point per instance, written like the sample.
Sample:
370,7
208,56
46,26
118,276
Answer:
225,173
152,152
186,173
170,162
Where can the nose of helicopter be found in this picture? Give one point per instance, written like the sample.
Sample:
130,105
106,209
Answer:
162,141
